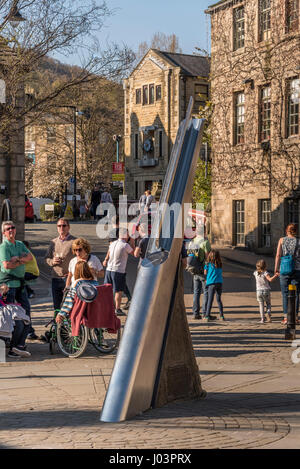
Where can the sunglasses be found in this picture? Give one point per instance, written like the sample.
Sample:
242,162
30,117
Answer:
78,250
61,226
10,228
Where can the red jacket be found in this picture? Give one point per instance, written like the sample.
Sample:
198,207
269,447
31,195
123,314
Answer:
98,313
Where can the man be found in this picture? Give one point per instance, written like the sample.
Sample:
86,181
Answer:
95,201
116,261
142,243
149,200
106,199
13,257
199,247
58,258
142,202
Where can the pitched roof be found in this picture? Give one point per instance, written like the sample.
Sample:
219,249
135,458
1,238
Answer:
192,65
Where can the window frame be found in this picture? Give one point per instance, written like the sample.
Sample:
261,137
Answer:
291,121
239,220
138,96
151,94
265,106
145,95
158,87
265,220
240,42
291,26
239,137
264,15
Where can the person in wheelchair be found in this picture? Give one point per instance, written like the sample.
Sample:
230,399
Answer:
84,286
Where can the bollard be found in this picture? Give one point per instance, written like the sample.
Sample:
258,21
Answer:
290,332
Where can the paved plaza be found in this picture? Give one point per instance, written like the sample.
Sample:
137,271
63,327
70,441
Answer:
253,387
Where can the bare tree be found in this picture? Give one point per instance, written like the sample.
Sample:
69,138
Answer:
160,41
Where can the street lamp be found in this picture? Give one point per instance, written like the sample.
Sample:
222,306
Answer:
14,16
117,139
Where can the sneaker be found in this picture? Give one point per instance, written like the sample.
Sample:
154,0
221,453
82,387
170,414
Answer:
127,304
46,337
269,319
211,318
12,354
197,316
262,321
32,336
119,312
284,321
31,295
222,318
20,351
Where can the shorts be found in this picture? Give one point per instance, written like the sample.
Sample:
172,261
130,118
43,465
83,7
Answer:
116,279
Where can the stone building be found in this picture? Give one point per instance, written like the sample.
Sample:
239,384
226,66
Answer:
255,83
156,98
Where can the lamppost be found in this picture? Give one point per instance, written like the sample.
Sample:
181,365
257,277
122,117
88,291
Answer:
117,139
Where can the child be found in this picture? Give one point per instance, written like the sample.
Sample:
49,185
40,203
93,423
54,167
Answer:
263,289
214,280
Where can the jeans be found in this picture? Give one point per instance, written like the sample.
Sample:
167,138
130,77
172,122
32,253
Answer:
264,296
211,290
199,285
285,280
21,330
58,286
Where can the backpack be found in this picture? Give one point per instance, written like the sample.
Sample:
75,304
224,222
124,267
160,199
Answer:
196,262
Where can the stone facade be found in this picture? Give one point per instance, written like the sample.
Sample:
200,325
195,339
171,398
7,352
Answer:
156,98
12,166
255,130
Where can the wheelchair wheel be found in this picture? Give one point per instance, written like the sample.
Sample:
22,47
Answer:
52,346
71,346
104,341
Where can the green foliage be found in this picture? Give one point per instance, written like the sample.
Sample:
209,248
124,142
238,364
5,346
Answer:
50,216
202,185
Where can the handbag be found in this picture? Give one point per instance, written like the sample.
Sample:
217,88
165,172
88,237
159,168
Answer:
287,263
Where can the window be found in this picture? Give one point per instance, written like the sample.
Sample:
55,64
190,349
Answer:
239,118
265,223
138,96
201,96
292,15
160,143
136,146
51,136
291,211
293,107
238,28
264,19
238,222
151,94
265,113
158,92
145,94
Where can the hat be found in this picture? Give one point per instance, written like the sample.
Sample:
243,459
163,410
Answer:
86,292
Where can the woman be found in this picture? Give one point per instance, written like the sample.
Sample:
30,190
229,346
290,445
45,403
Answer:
81,248
82,274
289,245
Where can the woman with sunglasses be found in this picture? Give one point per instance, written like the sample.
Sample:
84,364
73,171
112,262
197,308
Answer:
82,250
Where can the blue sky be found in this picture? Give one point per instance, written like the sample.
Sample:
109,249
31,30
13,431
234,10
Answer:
135,21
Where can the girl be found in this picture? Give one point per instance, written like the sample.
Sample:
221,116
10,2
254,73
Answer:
214,281
263,289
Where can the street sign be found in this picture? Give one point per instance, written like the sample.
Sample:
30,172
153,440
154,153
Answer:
117,168
118,177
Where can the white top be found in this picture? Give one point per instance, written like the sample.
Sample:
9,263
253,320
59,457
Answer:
261,282
118,255
93,262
